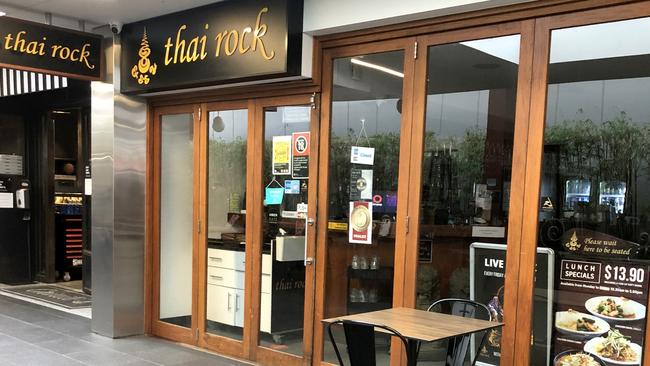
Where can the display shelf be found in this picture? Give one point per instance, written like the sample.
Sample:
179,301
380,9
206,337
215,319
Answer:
381,274
379,280
69,244
65,177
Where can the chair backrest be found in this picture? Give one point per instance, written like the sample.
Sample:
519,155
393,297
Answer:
461,307
458,348
360,341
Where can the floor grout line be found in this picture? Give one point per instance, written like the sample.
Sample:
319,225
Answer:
43,348
50,318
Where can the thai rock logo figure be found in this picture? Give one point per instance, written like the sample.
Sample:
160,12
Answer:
145,68
573,243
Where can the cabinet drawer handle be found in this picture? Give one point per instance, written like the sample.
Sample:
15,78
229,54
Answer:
229,301
216,259
220,278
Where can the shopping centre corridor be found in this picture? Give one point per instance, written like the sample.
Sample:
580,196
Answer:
32,335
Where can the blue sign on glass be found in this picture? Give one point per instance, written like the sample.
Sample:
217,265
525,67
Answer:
273,196
292,187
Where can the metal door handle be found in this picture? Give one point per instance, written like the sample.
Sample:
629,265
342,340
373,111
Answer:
229,301
309,222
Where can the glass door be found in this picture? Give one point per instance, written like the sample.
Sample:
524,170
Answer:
283,255
224,207
593,174
233,235
175,237
462,179
364,192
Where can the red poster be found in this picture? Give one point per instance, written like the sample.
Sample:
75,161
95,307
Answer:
360,228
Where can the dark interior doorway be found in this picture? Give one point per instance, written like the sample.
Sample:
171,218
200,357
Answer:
49,132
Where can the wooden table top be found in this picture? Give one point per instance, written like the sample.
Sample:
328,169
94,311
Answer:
421,325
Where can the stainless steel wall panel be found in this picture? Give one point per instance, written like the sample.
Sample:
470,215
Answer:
118,170
102,214
129,223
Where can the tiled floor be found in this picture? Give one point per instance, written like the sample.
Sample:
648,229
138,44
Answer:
32,335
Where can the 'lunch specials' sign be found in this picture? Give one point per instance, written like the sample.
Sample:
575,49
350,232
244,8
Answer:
39,47
600,308
225,42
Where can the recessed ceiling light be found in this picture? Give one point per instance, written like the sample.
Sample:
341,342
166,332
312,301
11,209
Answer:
2,13
385,69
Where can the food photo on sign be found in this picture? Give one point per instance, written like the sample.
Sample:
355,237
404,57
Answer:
601,301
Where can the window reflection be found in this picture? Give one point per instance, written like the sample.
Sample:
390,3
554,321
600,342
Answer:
366,116
227,134
466,178
594,188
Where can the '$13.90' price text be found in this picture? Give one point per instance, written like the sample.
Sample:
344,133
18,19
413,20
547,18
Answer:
624,274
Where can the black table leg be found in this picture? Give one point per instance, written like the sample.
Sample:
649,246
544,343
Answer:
412,352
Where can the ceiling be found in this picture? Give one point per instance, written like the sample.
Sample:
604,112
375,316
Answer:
106,11
453,68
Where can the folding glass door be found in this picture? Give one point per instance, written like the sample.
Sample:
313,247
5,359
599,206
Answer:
173,231
233,236
465,174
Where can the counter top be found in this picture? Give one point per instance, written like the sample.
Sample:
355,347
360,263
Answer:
235,246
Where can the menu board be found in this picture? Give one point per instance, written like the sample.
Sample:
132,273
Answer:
597,301
487,273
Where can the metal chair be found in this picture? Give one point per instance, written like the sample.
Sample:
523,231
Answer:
360,341
458,347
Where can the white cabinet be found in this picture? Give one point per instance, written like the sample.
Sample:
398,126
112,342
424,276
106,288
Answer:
225,288
239,308
219,307
265,314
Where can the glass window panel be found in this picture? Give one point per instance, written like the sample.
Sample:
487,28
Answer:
285,190
594,204
176,186
466,178
227,136
366,113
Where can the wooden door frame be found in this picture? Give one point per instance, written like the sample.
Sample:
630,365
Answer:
152,265
534,155
257,352
525,30
402,44
530,104
210,341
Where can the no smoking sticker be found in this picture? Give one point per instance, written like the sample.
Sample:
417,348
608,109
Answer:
300,155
